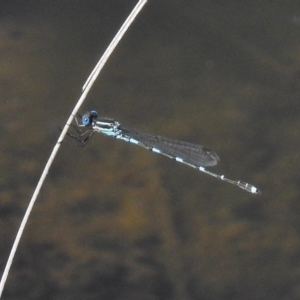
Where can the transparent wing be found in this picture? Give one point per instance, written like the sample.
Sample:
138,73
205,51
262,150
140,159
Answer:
190,153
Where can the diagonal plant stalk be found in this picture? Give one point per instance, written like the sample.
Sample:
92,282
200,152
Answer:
86,88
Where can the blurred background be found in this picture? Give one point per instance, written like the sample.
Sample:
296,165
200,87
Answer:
114,221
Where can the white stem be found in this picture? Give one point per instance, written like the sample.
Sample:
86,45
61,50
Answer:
86,89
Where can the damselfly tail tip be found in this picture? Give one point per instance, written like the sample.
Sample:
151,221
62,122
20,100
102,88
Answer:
257,191
250,188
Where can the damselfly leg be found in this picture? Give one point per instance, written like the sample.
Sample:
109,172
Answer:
80,135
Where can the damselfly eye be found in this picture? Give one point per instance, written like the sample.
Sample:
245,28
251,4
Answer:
93,114
85,120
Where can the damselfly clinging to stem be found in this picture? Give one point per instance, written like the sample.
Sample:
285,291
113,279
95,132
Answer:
193,155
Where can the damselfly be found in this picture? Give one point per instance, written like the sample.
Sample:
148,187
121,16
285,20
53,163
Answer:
193,155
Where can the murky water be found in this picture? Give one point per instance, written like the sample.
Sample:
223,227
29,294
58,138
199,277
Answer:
116,222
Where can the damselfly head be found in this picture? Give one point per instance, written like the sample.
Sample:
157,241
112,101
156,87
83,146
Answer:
88,118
